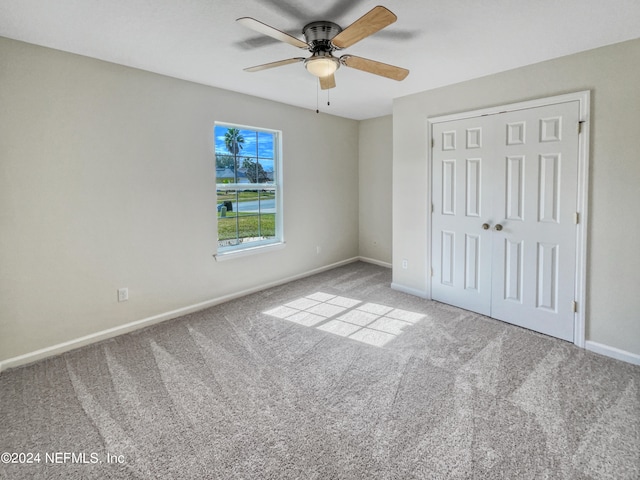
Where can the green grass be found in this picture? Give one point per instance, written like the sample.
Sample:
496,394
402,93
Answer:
244,196
247,225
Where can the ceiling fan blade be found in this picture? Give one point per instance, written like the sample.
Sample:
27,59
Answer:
265,29
376,19
328,82
280,63
377,68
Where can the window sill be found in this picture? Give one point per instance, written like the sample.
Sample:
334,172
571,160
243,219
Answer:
244,252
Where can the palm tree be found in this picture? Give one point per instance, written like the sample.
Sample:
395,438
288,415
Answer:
234,142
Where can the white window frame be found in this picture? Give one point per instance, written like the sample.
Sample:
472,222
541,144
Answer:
265,245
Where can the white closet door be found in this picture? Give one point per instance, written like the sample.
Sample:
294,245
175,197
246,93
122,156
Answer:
461,248
534,255
503,224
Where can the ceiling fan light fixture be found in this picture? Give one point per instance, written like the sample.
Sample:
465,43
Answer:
322,65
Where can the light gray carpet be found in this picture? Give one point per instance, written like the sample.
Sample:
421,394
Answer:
341,378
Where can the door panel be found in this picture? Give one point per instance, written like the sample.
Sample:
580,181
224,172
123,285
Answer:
512,275
448,258
449,187
547,275
515,187
549,188
472,262
472,194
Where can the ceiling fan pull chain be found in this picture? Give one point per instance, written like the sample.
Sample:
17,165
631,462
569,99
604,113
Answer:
317,96
328,98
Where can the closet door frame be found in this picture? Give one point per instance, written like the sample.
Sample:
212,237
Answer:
583,98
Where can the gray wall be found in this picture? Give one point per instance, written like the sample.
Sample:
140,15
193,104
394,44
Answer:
376,153
107,180
613,270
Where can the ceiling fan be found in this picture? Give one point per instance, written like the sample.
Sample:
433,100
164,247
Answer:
323,38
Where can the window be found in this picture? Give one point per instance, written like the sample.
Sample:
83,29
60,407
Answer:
248,187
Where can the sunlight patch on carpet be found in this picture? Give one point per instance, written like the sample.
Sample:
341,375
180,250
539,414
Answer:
370,323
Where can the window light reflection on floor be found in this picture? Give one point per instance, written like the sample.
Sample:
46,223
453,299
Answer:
369,323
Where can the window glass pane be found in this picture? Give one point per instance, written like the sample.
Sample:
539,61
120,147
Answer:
247,213
266,156
245,216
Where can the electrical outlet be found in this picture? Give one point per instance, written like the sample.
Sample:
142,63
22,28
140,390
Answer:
405,263
123,294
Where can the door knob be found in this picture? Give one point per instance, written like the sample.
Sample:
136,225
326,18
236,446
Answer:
498,227
485,226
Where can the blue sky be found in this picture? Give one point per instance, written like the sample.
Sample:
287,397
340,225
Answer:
255,143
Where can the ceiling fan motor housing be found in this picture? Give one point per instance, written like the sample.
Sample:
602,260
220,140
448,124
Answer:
319,35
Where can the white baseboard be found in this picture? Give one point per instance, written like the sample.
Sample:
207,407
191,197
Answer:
31,357
612,352
145,322
410,291
380,263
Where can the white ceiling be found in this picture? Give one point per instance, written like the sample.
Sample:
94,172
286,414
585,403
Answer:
440,41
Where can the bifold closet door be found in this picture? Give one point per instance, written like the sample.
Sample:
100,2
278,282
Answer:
534,253
461,238
504,191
